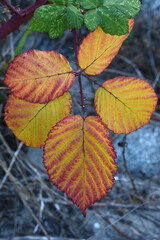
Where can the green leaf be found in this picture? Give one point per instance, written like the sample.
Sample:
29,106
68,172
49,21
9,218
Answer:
113,22
58,2
90,4
58,27
129,8
62,2
92,19
49,12
75,17
39,25
70,2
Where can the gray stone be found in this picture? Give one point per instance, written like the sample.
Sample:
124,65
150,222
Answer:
142,151
150,6
35,155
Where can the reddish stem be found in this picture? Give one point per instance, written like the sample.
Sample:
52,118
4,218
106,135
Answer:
75,38
20,17
92,80
78,71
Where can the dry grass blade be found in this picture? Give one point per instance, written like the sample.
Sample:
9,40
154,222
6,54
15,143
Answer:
133,65
14,181
11,164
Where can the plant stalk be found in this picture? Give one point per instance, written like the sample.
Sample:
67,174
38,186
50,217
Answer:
92,80
21,17
75,38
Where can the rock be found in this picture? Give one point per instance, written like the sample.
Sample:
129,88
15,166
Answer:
35,156
142,151
150,6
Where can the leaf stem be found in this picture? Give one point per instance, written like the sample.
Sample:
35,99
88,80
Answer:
75,38
92,80
76,44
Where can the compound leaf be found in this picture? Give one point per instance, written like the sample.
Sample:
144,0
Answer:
90,4
31,122
125,103
129,8
75,17
49,12
98,49
39,76
80,159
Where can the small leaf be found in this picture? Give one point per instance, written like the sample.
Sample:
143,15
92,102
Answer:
39,25
92,19
58,26
75,17
80,159
129,8
31,122
70,2
39,76
62,2
49,12
90,4
113,21
98,49
58,2
125,104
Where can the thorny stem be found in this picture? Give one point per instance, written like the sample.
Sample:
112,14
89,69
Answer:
21,17
75,44
78,69
92,80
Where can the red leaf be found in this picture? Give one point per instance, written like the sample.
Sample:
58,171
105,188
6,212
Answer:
39,76
80,159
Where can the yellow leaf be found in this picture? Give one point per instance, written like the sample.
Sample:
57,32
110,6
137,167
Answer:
125,104
39,76
31,122
98,49
80,159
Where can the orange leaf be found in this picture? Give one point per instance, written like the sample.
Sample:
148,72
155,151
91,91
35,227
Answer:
31,122
80,159
125,103
98,49
39,76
